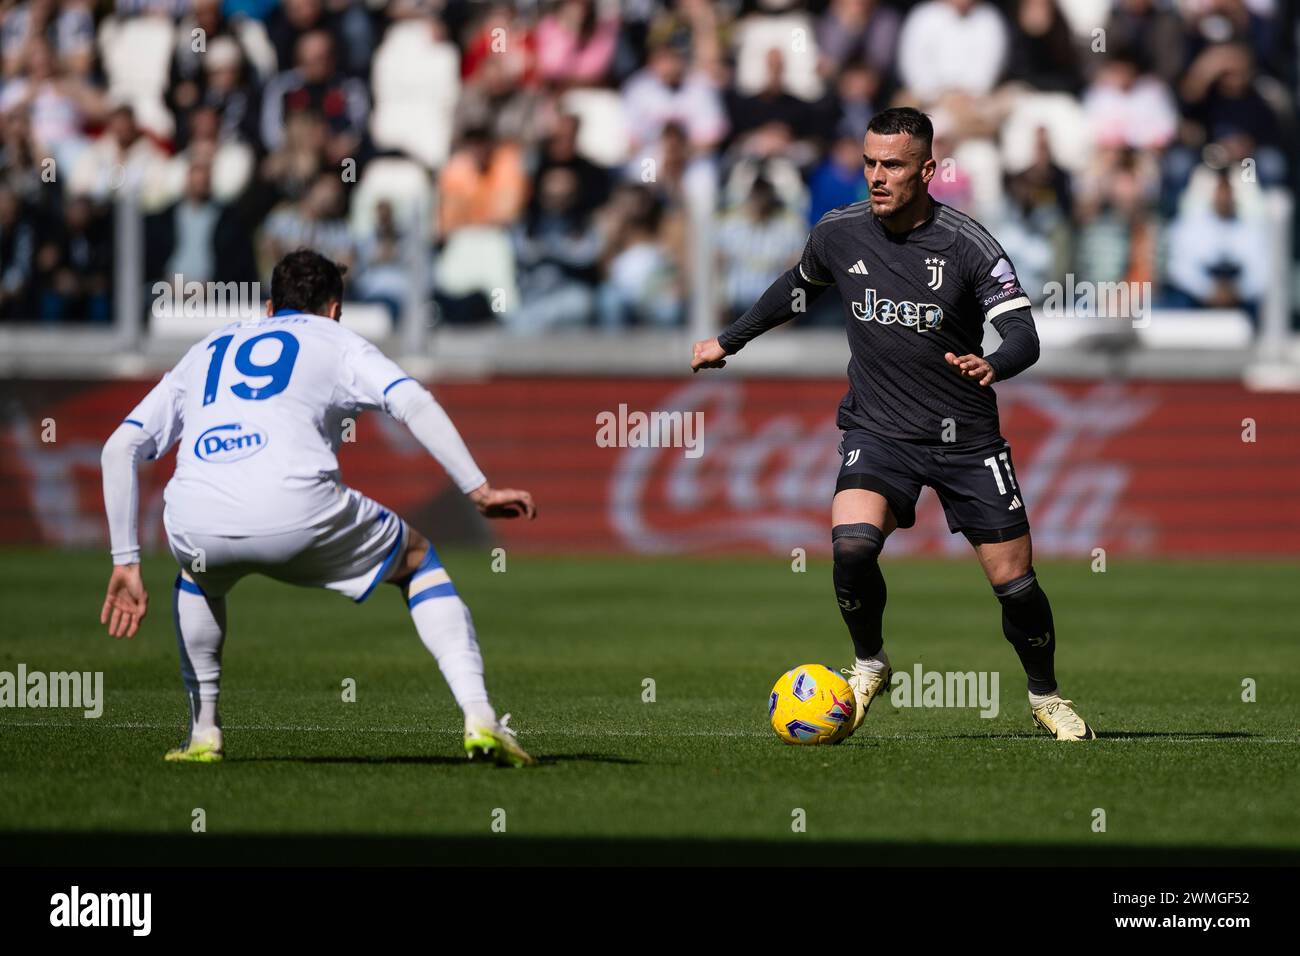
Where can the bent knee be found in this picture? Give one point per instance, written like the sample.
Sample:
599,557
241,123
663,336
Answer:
856,545
414,556
1014,584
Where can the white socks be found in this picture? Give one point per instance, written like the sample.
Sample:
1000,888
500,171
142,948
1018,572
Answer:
878,662
1038,700
200,633
447,630
443,622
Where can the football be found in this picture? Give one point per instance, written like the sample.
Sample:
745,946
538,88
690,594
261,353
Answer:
811,704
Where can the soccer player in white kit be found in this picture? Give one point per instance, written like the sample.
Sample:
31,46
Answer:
258,409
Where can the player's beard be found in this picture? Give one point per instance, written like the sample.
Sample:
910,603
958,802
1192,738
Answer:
887,207
896,202
884,207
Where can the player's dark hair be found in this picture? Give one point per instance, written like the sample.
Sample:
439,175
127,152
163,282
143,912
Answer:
904,119
306,281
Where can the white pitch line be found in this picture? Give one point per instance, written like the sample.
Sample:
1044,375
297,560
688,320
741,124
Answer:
570,731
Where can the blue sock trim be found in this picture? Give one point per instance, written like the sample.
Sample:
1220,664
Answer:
189,587
187,666
389,558
446,589
430,561
397,382
132,421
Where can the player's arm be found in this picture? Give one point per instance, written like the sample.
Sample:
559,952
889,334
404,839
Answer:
412,405
1007,306
126,601
1019,348
784,299
375,381
152,426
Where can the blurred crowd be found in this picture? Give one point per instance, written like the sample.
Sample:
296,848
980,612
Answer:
545,164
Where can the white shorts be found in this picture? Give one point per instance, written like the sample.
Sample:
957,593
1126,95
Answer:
350,552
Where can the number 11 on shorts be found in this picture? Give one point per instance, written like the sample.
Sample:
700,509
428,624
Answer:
992,464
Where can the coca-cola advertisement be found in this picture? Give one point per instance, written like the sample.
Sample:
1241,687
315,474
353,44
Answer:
672,466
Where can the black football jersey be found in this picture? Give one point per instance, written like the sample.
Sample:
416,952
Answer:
907,300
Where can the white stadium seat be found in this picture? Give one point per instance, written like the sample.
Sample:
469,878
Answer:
1067,131
478,259
404,183
136,53
602,131
794,35
415,80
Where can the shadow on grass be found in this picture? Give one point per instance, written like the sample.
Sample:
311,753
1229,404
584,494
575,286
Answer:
588,758
368,759
425,759
1183,735
1101,735
63,849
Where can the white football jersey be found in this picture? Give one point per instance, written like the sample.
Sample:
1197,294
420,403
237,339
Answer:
258,408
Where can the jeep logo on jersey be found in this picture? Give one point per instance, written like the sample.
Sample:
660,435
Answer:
226,443
926,316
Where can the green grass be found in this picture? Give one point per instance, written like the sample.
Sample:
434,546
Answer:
1153,653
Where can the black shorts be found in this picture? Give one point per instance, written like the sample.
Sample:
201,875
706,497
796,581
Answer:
977,487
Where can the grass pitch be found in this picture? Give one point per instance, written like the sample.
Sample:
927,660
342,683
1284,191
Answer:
1154,654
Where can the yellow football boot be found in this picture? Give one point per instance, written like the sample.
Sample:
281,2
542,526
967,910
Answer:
1056,716
496,742
867,683
206,746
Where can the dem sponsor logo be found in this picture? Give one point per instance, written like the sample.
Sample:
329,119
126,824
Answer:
221,444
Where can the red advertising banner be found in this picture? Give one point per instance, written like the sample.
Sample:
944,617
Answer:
1160,468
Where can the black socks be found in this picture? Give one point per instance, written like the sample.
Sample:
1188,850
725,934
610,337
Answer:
1027,624
860,590
859,585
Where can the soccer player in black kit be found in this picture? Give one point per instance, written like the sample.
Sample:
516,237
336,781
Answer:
918,280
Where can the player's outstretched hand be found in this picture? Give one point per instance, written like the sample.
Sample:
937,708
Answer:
503,502
126,602
972,366
708,354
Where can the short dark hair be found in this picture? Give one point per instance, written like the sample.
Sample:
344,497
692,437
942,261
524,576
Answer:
904,119
306,281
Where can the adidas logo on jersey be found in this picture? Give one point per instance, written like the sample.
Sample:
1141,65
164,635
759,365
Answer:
1015,503
858,268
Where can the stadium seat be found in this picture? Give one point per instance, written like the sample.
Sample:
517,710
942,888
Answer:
980,161
478,259
136,53
781,172
757,35
1198,196
403,182
416,80
1085,16
1067,131
232,170
602,131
